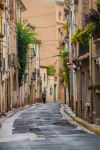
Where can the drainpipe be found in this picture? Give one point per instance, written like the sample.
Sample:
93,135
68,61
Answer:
81,90
91,77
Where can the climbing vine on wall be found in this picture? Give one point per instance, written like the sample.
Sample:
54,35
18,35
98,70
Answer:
24,38
64,70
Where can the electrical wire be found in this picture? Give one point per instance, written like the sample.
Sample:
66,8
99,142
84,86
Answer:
48,26
49,44
49,57
40,15
49,40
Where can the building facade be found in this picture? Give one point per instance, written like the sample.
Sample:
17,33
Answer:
84,61
9,87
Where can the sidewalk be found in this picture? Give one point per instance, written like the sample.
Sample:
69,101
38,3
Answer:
92,127
13,111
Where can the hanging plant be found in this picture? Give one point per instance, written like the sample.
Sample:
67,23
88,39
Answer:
92,16
75,37
65,26
64,70
84,34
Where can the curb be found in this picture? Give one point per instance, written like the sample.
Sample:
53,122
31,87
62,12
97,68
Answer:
8,115
13,112
87,125
83,123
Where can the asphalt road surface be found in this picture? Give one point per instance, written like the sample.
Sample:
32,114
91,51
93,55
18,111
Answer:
42,127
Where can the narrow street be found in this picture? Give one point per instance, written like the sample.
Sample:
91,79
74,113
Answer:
42,127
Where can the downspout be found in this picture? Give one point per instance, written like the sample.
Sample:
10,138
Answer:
91,71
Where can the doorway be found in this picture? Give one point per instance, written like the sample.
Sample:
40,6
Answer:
55,89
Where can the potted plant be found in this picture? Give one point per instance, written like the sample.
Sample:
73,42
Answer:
83,35
92,16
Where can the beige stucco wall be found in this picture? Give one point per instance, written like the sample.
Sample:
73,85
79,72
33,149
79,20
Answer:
43,14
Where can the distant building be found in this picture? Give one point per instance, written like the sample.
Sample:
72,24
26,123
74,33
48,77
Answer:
48,20
85,60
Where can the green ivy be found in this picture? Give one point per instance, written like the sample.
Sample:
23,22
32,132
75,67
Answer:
51,70
98,2
65,26
24,38
84,34
64,70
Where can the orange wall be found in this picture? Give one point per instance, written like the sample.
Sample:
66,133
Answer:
48,36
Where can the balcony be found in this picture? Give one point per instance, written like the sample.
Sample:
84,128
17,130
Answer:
83,49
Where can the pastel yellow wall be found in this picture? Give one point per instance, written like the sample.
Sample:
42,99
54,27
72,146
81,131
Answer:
50,83
44,82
